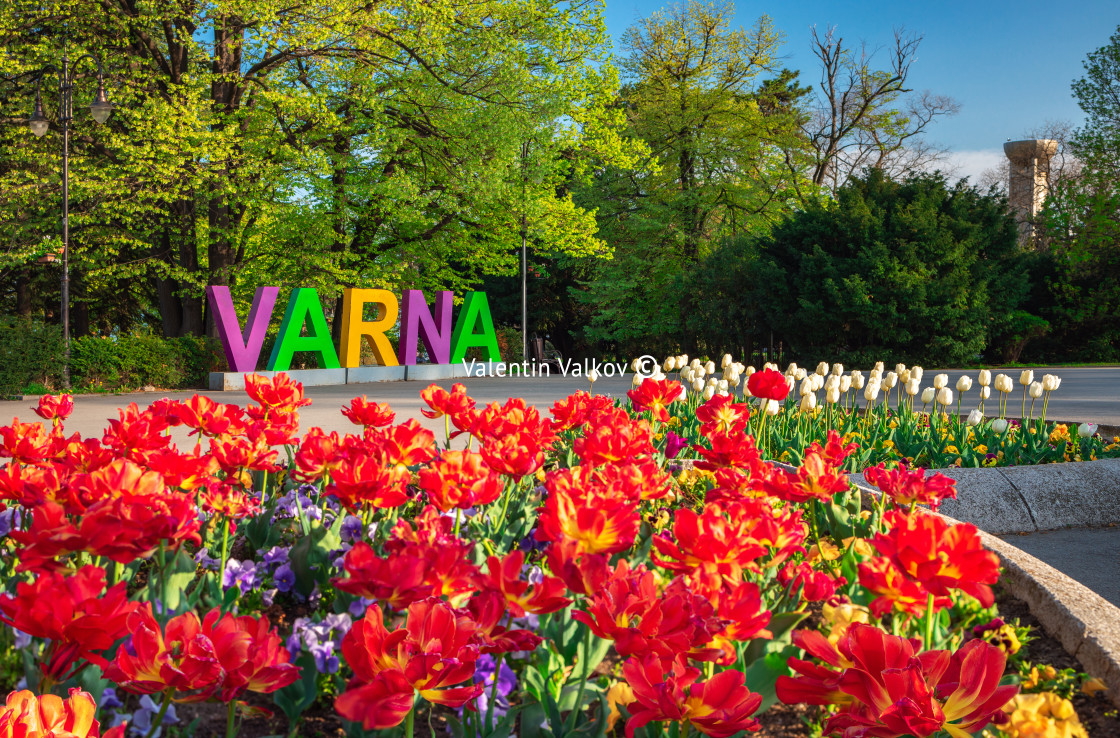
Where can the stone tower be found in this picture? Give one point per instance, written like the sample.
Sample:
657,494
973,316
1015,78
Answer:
1029,181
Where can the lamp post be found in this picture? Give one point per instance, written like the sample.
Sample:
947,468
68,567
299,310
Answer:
100,109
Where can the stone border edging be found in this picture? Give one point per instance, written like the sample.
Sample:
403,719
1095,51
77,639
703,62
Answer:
1027,499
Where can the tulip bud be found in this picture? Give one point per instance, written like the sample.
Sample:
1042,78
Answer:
1051,382
985,377
975,417
913,387
872,390
1003,383
940,380
945,396
964,384
999,425
697,385
822,368
928,394
709,392
831,382
749,370
722,385
670,364
637,380
904,376
1086,430
832,396
808,402
1026,377
858,381
818,381
837,369
710,367
916,373
985,392
1035,390
712,382
890,380
800,373
899,368
792,368
635,365
845,383
695,363
806,387
879,366
772,407
593,376
659,377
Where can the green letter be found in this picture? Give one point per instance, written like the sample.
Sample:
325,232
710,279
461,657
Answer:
475,307
303,306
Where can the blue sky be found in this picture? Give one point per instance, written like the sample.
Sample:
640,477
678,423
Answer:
1009,64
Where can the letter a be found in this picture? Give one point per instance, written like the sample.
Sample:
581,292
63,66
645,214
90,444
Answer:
475,308
303,307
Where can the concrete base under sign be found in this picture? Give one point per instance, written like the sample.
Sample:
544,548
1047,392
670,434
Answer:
234,381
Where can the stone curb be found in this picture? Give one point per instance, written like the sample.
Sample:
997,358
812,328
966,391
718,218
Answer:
1027,499
1086,624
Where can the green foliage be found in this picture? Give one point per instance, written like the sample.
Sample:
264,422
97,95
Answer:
917,271
130,362
31,352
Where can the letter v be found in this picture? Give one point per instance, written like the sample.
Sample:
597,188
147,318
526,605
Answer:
242,347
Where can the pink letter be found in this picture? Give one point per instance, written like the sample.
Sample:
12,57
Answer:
242,347
417,320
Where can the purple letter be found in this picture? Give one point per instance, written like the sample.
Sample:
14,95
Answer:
242,347
416,319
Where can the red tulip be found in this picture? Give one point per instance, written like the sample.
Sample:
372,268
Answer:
911,486
655,396
768,385
460,479
26,716
55,407
722,414
369,414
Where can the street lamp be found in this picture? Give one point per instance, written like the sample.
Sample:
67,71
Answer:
100,109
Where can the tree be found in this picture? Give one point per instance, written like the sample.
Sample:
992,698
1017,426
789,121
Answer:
864,116
309,144
913,271
698,93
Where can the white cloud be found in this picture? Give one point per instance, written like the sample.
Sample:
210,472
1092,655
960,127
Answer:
972,164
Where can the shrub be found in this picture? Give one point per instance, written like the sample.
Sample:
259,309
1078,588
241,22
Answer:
31,352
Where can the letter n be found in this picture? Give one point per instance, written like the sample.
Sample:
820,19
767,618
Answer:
417,321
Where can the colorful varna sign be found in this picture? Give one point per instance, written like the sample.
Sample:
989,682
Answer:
446,344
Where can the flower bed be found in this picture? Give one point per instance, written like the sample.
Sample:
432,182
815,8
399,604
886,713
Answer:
899,422
553,576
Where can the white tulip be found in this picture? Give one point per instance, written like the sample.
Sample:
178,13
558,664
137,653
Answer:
916,373
832,396
790,382
1026,377
985,377
710,367
872,390
822,368
659,377
593,376
975,417
670,364
875,374
903,376
964,384
1086,430
985,392
695,363
722,385
831,382
928,395
1035,390
697,385
735,381
792,368
772,367
940,380
899,368
634,365
749,370
837,369
806,387
772,407
712,382
879,366
890,379
1003,383
999,425
858,381
800,373
845,383
808,402
637,380
818,381
1051,382
913,387
945,396
709,393
725,361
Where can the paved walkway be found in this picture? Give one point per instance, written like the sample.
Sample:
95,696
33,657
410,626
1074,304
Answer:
1089,555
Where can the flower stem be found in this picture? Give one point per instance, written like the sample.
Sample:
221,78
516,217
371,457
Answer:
159,716
486,726
231,720
409,720
583,682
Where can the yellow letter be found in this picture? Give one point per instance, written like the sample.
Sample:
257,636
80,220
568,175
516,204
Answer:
353,327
